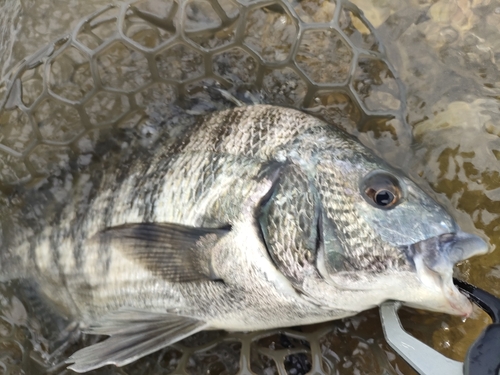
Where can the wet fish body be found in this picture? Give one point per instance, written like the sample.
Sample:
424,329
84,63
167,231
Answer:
257,217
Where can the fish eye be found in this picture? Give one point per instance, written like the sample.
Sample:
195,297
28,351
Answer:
381,189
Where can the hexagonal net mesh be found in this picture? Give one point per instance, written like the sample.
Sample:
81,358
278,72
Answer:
116,63
118,68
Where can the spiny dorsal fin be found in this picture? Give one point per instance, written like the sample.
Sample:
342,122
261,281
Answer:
170,251
133,334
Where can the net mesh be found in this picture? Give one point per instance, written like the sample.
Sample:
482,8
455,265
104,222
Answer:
318,56
116,70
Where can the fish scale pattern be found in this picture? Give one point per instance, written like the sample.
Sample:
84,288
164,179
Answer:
116,68
320,349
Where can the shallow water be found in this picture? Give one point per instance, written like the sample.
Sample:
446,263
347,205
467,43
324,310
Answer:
415,81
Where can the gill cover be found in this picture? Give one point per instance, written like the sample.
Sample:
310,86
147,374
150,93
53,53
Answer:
300,238
288,222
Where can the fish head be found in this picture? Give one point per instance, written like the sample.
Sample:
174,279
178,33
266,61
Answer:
380,234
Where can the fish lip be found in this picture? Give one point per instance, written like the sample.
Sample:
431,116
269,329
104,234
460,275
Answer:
457,303
434,259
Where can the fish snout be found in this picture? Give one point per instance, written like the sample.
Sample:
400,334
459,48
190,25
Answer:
461,246
434,260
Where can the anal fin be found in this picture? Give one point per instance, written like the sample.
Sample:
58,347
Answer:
133,334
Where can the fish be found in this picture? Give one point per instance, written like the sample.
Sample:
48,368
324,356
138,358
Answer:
256,217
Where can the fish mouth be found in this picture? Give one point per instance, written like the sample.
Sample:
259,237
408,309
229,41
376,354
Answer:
434,260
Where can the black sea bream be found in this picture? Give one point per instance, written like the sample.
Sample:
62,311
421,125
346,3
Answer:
257,217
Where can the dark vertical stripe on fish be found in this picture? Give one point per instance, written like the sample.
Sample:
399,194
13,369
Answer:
223,130
55,250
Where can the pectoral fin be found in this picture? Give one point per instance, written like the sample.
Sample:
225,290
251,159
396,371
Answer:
177,253
133,334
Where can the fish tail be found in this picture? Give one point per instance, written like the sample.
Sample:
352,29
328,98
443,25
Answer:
14,250
11,265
